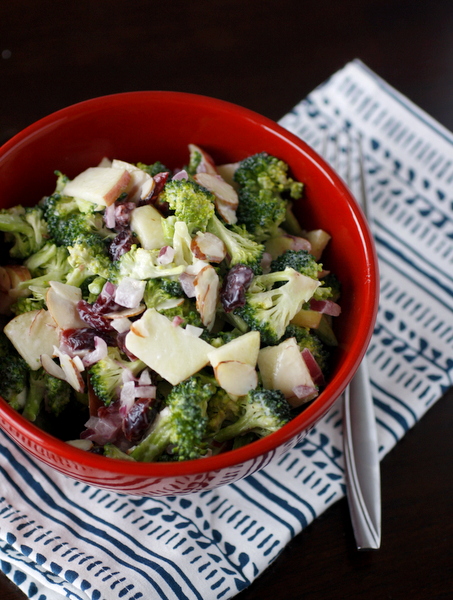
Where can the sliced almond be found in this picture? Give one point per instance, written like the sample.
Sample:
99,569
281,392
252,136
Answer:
235,377
51,367
244,348
207,287
62,300
207,164
209,247
72,373
227,212
222,190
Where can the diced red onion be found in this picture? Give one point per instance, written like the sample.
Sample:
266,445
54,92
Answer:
145,378
266,262
129,292
145,391
99,352
186,280
127,395
327,307
127,376
121,325
177,321
305,392
109,216
181,175
102,430
166,255
314,369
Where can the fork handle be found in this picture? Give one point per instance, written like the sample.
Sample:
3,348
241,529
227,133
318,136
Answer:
362,461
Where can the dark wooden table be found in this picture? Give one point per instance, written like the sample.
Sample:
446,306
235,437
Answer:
267,56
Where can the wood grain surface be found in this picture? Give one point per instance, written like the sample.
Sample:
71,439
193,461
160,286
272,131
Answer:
267,56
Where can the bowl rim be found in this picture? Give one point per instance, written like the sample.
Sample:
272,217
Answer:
310,415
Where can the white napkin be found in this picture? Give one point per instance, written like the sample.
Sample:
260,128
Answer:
61,539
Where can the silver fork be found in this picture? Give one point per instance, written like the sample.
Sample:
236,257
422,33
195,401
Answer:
359,425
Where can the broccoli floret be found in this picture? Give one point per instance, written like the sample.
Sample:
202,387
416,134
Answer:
139,263
187,311
240,247
269,309
220,338
181,424
299,260
195,159
25,229
14,374
35,395
23,305
49,259
261,412
68,224
162,291
190,202
50,263
89,258
154,168
106,376
264,190
221,408
307,338
57,394
332,283
45,389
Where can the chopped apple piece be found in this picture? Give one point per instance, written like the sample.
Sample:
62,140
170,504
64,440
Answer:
283,368
227,172
318,239
207,287
33,333
167,349
235,377
281,243
244,349
61,300
146,223
141,183
99,185
307,318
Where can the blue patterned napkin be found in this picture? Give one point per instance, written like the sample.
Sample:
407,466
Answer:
62,539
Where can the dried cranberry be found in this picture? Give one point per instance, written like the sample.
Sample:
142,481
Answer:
121,244
92,318
121,341
83,338
123,210
136,420
235,284
105,302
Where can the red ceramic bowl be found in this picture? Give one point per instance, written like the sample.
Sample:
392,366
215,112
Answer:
147,126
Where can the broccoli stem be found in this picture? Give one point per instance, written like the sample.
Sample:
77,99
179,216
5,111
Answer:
34,400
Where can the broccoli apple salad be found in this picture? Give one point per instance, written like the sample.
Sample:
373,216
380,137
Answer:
156,314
